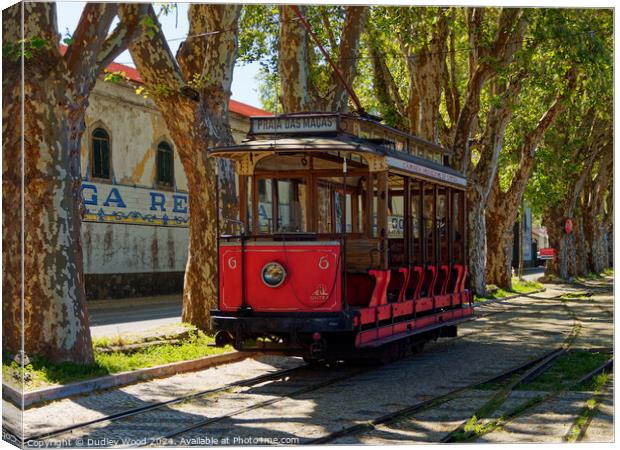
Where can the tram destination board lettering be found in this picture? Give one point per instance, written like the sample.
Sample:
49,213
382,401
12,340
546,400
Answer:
286,125
426,171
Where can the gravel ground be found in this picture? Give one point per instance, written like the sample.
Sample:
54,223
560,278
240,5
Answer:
509,335
66,412
552,420
601,428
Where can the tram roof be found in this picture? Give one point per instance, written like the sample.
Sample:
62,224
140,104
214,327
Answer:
318,132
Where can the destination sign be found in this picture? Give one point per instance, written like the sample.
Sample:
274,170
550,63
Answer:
426,171
285,125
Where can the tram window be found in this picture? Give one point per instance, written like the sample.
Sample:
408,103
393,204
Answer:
265,205
374,213
429,225
340,206
324,208
457,225
396,208
332,202
442,223
416,231
292,198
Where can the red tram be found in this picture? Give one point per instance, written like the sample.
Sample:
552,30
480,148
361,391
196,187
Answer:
352,240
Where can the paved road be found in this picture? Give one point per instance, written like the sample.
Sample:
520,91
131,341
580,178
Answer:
112,317
534,273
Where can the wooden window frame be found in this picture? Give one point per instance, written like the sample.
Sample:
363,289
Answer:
158,183
108,179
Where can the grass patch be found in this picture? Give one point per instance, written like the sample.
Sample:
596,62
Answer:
41,372
518,287
568,368
581,295
608,272
524,286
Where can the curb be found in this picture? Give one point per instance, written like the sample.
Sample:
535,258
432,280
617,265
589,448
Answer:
120,379
509,297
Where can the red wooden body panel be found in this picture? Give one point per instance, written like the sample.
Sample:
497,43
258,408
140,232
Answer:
366,338
403,308
313,281
369,315
384,312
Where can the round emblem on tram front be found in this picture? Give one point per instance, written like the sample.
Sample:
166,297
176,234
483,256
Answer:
273,274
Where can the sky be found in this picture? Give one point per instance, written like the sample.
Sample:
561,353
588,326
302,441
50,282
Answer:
244,86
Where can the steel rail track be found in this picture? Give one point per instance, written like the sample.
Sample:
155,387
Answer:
529,376
211,420
598,398
156,405
520,411
252,407
423,406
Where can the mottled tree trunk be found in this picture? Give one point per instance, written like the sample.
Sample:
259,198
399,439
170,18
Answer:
293,61
354,25
298,93
425,68
503,207
599,250
46,282
582,247
477,241
483,175
195,109
500,221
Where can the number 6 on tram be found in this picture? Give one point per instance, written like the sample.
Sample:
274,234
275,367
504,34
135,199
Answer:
352,240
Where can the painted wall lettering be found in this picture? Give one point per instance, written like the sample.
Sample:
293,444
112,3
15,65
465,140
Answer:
90,197
114,197
158,201
135,205
179,203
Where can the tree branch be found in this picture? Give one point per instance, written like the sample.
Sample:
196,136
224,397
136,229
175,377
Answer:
82,54
532,140
328,27
508,38
126,31
355,22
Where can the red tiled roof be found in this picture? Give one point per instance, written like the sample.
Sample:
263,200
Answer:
131,73
246,110
235,106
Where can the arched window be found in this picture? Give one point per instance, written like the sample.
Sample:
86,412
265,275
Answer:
165,167
101,154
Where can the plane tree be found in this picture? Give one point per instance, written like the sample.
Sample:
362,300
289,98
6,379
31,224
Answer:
192,91
572,55
296,76
43,302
